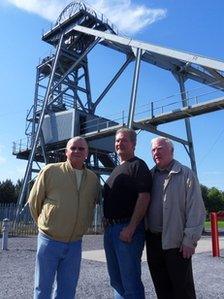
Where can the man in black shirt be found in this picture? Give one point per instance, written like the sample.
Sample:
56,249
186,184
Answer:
126,198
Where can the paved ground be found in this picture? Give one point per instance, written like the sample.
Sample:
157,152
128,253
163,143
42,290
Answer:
17,270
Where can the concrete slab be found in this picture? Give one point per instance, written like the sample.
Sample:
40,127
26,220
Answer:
204,245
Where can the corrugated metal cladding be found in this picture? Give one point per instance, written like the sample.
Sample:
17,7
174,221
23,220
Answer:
58,126
64,125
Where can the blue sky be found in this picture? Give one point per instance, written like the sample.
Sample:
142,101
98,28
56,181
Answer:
191,26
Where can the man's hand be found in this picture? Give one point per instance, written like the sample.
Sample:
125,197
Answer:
139,212
187,251
127,233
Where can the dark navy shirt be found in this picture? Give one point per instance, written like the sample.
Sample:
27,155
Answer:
122,188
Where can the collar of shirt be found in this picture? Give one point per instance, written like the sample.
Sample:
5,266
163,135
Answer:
165,170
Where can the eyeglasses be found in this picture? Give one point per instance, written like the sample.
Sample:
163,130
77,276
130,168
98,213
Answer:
79,148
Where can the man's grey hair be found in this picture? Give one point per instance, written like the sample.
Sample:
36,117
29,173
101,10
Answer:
167,140
76,138
131,133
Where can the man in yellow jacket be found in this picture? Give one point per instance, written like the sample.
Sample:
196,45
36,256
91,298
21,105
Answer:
61,202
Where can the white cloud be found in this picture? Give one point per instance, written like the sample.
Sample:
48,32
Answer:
48,9
2,159
126,15
12,169
20,170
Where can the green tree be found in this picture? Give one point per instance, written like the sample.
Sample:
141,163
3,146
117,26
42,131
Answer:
204,192
18,187
7,192
215,200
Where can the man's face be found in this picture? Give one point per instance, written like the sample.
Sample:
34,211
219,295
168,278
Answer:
77,151
162,153
123,145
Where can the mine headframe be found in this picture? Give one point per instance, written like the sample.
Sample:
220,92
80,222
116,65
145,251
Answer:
63,106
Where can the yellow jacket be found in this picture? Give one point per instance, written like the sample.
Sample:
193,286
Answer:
61,210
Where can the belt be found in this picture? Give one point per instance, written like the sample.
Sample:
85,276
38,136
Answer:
154,233
110,221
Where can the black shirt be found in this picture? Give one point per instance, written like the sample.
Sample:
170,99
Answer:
122,188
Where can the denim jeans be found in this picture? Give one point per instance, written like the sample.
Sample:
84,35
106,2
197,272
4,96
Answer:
59,262
124,261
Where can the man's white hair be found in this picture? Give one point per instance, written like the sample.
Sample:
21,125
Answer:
76,138
167,140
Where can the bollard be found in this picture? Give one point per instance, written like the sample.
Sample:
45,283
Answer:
5,233
215,235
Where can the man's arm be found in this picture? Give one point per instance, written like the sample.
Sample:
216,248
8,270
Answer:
37,196
195,217
138,214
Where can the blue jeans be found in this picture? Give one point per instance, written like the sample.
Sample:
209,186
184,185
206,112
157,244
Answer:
124,261
56,261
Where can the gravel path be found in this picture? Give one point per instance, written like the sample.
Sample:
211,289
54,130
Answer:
17,271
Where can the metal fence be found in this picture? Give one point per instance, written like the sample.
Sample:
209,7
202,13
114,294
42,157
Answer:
25,225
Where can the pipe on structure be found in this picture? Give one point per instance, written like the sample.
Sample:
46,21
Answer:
187,125
215,235
134,88
5,233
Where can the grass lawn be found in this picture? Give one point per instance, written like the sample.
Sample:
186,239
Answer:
220,224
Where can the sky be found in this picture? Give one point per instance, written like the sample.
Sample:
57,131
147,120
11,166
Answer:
190,26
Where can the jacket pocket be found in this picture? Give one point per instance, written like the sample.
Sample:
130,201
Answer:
48,211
